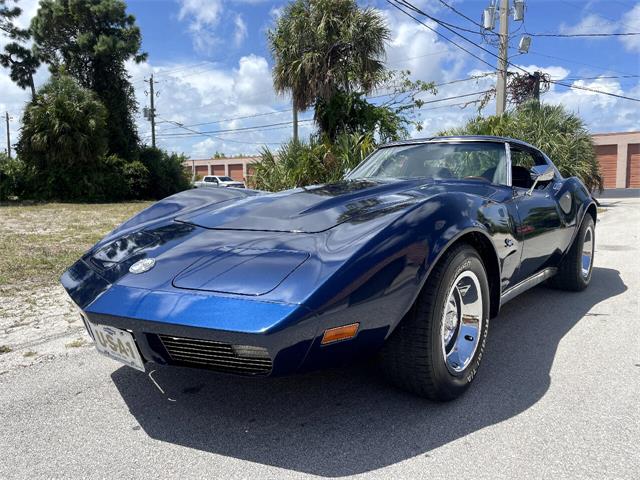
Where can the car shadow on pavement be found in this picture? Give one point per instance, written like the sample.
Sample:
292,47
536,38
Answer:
347,421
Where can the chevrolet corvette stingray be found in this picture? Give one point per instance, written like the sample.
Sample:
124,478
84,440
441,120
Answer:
407,259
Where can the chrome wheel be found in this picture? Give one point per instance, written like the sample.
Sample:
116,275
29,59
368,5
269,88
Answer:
587,252
462,322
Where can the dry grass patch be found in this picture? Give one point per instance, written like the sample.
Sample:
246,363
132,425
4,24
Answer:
38,242
78,342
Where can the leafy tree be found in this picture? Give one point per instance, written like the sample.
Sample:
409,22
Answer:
93,39
390,120
298,164
21,61
560,134
322,47
167,174
7,15
63,140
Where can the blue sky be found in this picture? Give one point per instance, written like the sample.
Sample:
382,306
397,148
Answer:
211,62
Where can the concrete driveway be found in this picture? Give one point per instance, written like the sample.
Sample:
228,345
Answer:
557,396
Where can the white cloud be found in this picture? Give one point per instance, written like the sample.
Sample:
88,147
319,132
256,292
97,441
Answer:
203,16
201,12
632,23
240,33
594,23
589,24
413,47
601,113
210,93
554,71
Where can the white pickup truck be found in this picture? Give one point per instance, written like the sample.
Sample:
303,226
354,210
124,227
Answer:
217,181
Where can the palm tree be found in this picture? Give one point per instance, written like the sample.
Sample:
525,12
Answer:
321,47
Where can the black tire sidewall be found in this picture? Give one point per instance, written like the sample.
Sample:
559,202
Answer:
586,223
449,385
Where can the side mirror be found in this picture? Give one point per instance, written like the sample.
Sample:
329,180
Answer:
541,173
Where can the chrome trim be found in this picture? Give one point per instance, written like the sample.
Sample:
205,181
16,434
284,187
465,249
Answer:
460,138
588,246
507,147
526,284
461,323
195,352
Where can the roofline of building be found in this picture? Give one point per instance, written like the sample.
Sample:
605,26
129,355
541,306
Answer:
606,134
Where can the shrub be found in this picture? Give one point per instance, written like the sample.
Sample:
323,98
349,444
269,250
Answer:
298,164
562,135
13,177
167,174
122,180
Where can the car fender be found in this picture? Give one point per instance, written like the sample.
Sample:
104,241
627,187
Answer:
583,202
456,217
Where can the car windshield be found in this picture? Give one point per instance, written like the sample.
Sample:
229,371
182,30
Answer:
225,179
485,161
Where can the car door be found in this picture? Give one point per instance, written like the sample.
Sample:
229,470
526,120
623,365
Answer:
541,227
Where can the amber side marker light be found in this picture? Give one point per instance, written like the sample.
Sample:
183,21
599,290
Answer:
339,333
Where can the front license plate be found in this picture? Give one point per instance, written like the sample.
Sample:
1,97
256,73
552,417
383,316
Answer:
117,344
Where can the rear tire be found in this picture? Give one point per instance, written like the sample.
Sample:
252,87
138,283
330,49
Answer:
436,349
574,272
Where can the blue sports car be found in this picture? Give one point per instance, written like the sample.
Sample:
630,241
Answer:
407,258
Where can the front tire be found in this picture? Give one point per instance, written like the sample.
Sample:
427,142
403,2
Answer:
576,268
436,349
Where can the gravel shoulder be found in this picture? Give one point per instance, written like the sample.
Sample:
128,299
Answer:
37,319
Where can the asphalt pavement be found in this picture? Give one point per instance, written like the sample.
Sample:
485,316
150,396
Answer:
557,396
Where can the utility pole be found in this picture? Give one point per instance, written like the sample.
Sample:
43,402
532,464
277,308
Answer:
503,52
152,113
6,116
295,122
488,24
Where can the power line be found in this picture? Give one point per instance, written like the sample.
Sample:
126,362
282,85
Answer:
283,124
451,7
275,112
169,71
236,118
227,130
416,9
212,134
568,60
440,34
577,87
603,77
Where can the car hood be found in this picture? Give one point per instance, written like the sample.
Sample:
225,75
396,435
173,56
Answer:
310,209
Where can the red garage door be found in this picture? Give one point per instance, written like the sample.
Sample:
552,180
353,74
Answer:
235,172
218,170
608,159
633,165
202,170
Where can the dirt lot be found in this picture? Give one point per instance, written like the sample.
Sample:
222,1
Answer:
37,319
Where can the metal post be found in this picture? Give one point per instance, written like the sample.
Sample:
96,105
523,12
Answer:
295,122
501,86
152,113
6,116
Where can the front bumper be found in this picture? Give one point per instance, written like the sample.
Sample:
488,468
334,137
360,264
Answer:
209,326
172,344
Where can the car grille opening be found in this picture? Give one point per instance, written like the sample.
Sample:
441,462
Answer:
219,356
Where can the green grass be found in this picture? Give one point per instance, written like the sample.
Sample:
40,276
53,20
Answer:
38,242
